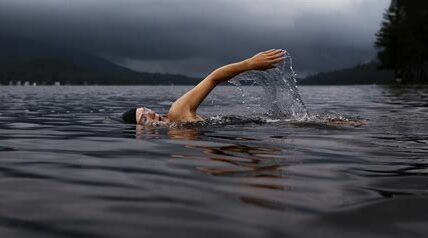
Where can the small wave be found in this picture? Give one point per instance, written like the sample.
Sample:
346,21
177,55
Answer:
328,119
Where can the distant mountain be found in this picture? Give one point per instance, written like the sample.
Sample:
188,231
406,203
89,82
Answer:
26,60
15,47
361,74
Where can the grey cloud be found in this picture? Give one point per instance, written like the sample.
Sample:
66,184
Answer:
170,35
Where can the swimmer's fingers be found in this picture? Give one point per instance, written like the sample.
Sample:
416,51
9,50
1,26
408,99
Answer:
275,52
277,55
272,63
269,51
263,61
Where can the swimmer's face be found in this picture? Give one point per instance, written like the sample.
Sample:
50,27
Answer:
146,116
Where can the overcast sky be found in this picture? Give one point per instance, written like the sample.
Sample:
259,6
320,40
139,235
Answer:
194,36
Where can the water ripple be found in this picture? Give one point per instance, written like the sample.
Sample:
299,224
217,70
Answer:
68,170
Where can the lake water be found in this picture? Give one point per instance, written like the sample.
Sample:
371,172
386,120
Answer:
68,170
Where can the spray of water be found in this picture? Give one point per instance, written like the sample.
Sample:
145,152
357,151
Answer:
281,99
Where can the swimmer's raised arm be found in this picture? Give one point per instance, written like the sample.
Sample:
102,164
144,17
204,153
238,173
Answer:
184,109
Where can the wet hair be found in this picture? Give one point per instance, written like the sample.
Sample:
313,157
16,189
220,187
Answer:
129,116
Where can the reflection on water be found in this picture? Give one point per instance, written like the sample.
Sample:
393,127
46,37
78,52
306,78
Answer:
68,170
242,160
245,160
183,133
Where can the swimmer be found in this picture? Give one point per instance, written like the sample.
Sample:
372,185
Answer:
184,108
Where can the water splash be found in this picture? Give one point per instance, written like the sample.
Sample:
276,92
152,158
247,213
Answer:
282,98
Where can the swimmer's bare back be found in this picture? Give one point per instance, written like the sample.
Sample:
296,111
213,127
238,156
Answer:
184,108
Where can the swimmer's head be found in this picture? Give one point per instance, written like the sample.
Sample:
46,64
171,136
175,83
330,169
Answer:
143,116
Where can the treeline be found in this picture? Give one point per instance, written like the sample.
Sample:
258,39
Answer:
48,71
402,40
361,74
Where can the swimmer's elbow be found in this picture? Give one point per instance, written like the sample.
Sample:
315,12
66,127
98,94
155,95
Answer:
216,77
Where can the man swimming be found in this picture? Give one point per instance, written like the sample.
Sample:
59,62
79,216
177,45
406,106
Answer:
184,108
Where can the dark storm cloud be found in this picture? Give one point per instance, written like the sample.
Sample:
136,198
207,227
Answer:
192,36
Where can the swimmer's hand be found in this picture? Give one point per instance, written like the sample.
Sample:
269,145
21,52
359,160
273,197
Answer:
265,60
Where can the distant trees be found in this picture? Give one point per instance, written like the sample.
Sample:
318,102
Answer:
402,40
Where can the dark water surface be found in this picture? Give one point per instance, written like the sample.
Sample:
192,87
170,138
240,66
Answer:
67,170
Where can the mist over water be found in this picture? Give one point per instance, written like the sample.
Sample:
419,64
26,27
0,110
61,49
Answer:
281,96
